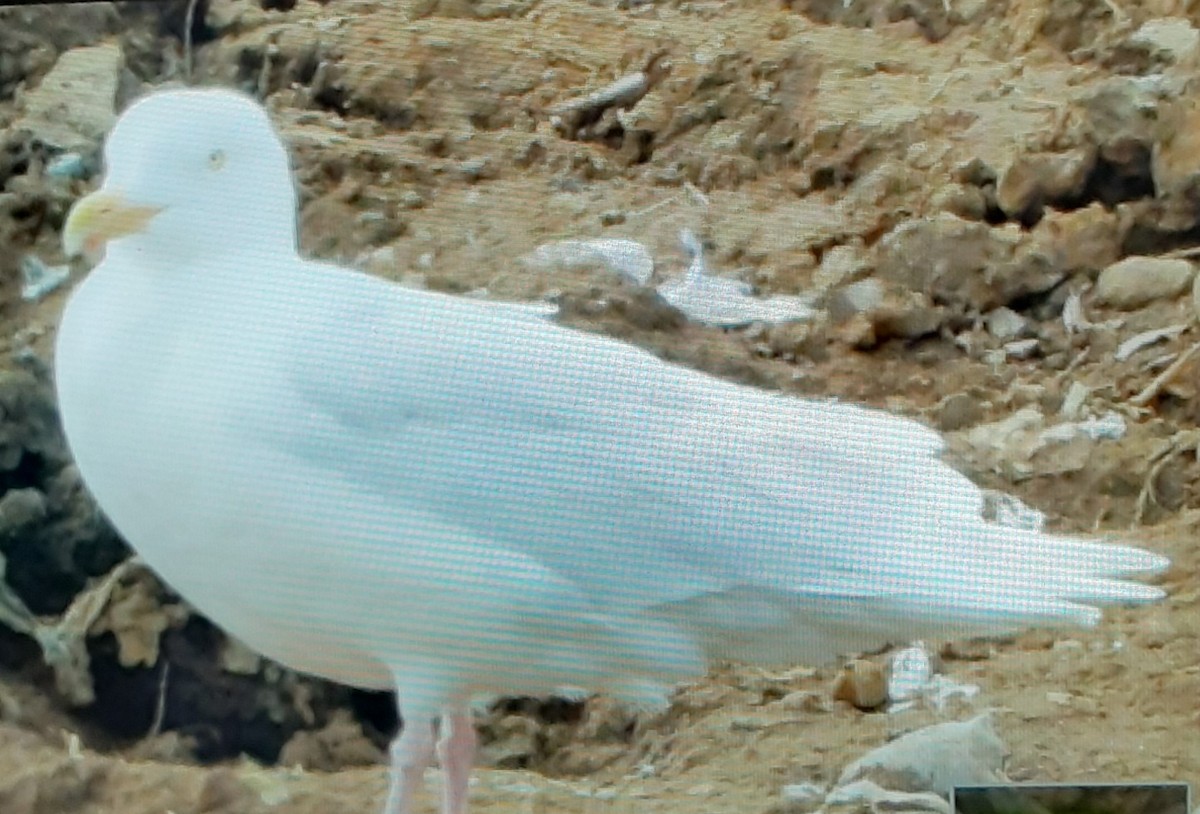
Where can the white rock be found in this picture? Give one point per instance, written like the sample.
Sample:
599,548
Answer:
856,298
1005,323
1174,36
1137,281
839,264
74,106
936,758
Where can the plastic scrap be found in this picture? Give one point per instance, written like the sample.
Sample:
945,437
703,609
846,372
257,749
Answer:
39,279
912,678
721,301
628,258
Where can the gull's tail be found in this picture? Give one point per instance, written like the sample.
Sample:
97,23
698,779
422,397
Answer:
981,579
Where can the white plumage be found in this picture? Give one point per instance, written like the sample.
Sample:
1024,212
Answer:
452,497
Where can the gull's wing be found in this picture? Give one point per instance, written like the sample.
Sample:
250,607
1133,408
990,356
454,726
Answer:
649,485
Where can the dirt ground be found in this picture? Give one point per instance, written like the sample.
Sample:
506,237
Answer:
982,163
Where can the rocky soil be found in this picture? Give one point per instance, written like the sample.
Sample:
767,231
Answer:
989,210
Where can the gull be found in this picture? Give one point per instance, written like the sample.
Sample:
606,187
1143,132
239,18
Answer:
458,499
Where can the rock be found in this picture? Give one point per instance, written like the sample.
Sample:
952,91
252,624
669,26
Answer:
839,265
934,759
339,744
1175,160
862,684
1005,323
1122,117
957,411
1137,281
966,201
1032,181
1196,296
136,612
20,508
1166,39
75,104
856,298
515,743
223,790
908,317
966,265
236,657
1080,240
869,312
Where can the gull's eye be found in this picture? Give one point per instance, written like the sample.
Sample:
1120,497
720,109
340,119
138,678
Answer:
216,159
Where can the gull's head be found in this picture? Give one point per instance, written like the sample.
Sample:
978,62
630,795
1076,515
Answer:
189,173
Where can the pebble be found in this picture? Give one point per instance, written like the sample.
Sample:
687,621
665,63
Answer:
1137,281
862,684
1005,323
856,298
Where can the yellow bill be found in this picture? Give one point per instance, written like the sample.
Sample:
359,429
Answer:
100,217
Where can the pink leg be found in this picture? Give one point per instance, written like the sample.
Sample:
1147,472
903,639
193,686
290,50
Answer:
411,752
456,753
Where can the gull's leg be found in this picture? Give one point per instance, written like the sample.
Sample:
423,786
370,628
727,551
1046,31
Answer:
456,753
412,753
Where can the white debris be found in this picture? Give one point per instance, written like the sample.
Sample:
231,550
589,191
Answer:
1072,316
1005,323
910,672
724,302
1009,445
38,279
1073,401
878,799
997,436
623,91
912,678
802,796
1004,509
1145,339
1110,427
1021,349
628,258
67,165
